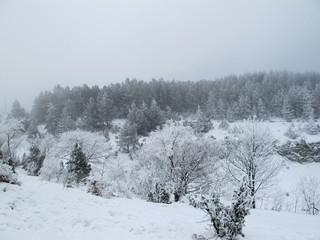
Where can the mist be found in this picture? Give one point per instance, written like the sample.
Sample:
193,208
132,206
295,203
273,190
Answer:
45,43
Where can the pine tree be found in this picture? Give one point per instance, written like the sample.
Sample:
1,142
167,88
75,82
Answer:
91,120
261,110
211,106
17,111
52,119
203,124
221,110
34,161
307,99
243,110
138,118
128,137
287,111
78,164
155,116
66,123
106,108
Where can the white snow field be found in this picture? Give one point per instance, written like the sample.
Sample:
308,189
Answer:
41,210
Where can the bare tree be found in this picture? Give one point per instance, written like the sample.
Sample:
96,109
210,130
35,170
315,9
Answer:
252,155
310,189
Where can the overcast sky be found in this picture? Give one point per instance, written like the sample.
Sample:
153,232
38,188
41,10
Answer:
71,42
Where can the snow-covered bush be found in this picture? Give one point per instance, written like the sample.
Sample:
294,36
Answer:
159,195
33,162
228,221
309,187
311,128
224,125
53,169
109,188
7,175
292,132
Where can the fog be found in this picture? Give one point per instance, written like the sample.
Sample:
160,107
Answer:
48,42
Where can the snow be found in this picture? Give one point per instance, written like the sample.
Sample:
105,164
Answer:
44,210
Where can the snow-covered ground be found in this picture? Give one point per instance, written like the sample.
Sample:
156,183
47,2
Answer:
43,210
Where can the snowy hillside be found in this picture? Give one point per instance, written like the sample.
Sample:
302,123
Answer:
43,210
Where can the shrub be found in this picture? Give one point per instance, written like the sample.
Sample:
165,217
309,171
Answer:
224,125
227,221
7,175
159,195
291,132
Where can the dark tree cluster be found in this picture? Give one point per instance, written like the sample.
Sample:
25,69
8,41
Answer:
280,94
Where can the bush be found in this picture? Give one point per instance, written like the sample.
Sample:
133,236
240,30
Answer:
159,195
224,125
291,132
227,221
7,175
108,189
311,128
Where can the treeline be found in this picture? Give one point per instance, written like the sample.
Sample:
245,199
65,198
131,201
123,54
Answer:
278,94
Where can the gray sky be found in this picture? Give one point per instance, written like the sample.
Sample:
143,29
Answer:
71,42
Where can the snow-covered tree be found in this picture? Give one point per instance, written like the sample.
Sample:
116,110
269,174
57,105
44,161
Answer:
128,140
90,119
287,111
309,187
262,110
10,130
137,116
34,161
175,158
67,123
106,108
155,116
52,119
17,111
202,124
252,155
211,105
78,164
94,145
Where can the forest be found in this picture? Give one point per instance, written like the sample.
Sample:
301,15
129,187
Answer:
265,95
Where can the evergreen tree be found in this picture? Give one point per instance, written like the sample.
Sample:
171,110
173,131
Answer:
261,110
34,161
155,116
307,99
78,164
221,110
211,106
17,111
203,124
137,117
66,123
287,111
106,108
243,107
52,119
91,120
128,137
